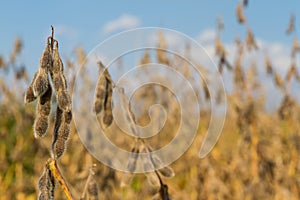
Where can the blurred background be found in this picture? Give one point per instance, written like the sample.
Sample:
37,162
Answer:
255,46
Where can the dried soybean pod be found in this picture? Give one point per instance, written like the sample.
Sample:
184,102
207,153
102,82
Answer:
290,73
59,147
220,50
57,124
108,116
62,135
46,58
291,25
44,105
68,117
58,79
165,171
92,190
269,68
279,82
240,14
64,100
43,110
98,106
100,90
59,82
58,118
40,84
29,96
41,124
205,90
58,66
64,129
46,185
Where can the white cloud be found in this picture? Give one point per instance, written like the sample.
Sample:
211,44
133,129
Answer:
279,54
207,36
122,23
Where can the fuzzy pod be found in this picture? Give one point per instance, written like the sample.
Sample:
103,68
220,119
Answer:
46,185
64,131
59,148
57,124
59,82
68,117
64,100
58,66
100,93
61,133
46,58
62,139
41,125
29,95
107,119
167,172
108,116
58,119
41,83
98,106
44,105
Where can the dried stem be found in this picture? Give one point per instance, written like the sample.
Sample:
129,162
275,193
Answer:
91,173
52,166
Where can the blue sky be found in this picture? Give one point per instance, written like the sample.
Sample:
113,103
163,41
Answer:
87,23
85,20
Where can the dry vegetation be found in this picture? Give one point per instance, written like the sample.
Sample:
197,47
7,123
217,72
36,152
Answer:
257,156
